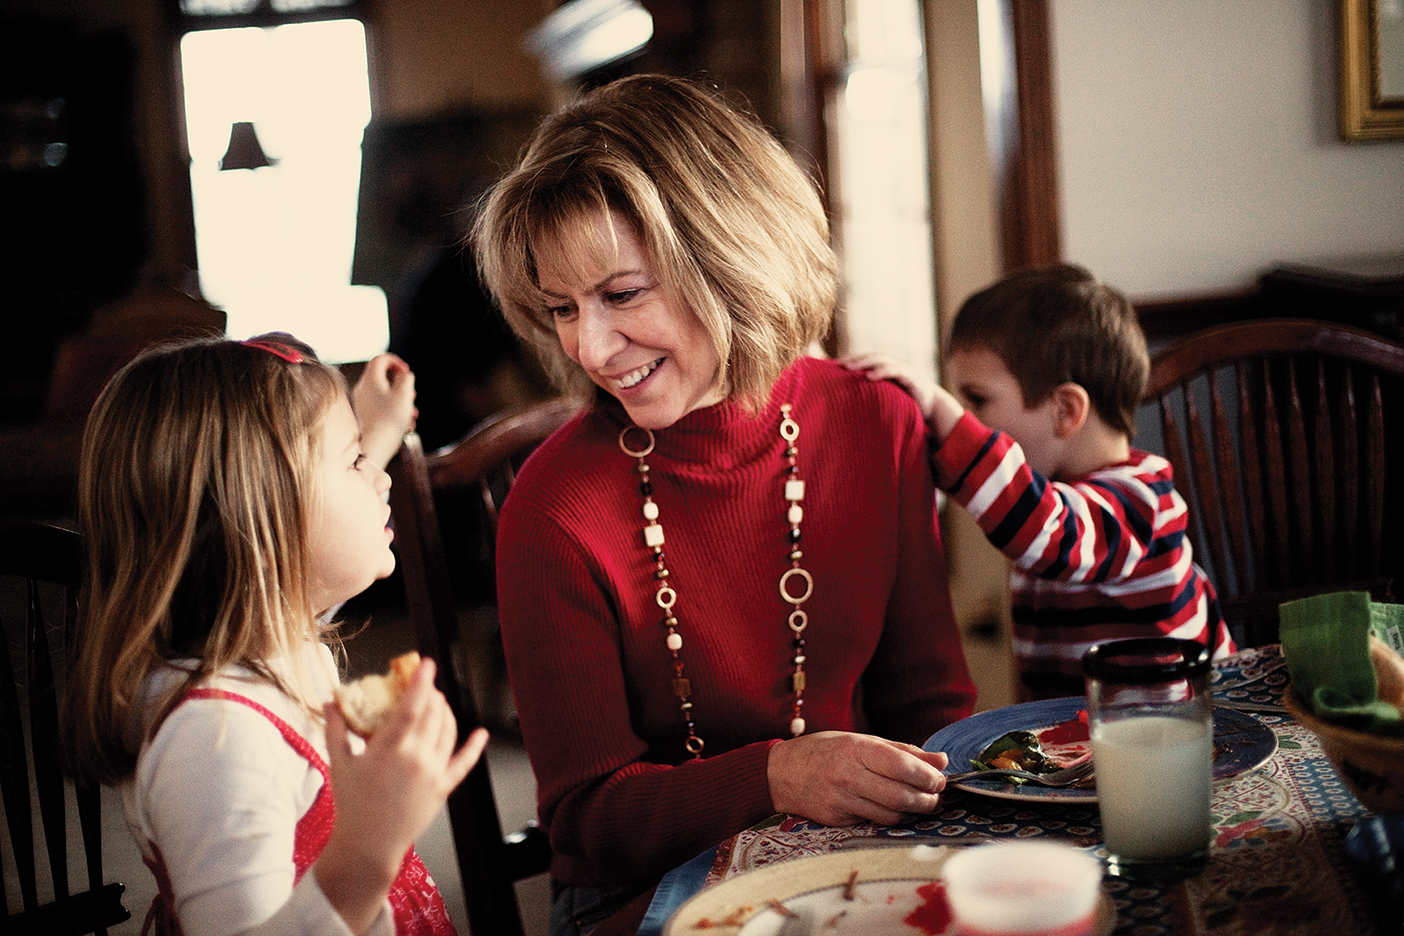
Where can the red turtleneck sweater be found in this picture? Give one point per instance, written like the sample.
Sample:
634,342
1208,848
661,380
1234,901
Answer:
585,646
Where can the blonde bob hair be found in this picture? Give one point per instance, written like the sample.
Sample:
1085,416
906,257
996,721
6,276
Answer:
194,499
733,228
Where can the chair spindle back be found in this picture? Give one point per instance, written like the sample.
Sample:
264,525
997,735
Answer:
46,559
1278,436
485,460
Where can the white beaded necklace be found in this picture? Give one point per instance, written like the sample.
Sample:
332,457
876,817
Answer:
666,596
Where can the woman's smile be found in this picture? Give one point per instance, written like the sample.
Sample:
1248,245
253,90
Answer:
618,322
634,377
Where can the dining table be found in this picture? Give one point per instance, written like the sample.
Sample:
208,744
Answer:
1278,860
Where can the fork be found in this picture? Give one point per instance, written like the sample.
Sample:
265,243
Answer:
1080,768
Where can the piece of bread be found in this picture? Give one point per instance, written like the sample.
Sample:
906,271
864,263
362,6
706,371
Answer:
1389,672
365,701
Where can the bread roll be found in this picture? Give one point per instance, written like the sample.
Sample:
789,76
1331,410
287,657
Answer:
1389,672
365,701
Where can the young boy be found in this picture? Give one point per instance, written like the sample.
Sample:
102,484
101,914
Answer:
1052,363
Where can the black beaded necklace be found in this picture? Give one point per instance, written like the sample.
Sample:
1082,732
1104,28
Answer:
795,577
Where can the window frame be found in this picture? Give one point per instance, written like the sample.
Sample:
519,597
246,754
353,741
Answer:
263,15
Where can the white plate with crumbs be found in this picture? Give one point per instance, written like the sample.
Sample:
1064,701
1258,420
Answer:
880,891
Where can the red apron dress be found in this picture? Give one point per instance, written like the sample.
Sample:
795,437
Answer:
418,907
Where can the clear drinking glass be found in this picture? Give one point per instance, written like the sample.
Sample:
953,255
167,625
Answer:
1150,716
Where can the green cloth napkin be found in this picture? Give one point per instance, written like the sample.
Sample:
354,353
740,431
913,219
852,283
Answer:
1326,643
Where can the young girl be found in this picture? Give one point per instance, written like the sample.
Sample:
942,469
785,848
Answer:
227,505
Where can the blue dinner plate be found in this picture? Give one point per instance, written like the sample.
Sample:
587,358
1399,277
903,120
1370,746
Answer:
1241,743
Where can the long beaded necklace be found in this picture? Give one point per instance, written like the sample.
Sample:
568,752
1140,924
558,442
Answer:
796,584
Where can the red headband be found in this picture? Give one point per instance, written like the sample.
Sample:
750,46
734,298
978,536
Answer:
286,352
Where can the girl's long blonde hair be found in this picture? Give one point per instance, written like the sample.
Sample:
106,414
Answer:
194,489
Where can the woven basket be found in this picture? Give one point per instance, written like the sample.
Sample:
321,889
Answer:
1371,765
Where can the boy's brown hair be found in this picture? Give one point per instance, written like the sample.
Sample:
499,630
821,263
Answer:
1058,324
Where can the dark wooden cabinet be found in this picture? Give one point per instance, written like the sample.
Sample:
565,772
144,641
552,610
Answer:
1367,292
72,207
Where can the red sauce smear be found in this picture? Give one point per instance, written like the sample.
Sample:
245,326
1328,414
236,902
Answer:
933,915
1069,732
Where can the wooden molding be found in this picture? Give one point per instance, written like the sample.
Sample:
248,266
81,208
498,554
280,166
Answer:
1030,208
1028,179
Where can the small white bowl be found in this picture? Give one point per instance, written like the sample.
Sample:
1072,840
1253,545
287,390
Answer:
1031,887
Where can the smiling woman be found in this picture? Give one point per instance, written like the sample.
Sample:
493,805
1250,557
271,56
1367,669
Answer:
791,636
616,321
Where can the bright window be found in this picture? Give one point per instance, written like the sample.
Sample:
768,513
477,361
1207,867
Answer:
883,202
275,243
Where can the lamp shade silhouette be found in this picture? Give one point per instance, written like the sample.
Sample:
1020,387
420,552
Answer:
244,151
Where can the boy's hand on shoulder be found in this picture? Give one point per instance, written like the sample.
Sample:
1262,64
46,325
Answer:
880,367
941,410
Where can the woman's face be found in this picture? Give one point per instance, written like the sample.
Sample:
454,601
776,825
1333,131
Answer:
613,319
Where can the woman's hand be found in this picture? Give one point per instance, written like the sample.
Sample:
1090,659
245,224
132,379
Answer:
387,795
841,778
383,399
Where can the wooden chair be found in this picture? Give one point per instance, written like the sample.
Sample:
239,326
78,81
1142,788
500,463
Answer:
484,461
1285,439
38,553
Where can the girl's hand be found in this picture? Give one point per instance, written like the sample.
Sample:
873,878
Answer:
841,778
387,795
383,399
941,410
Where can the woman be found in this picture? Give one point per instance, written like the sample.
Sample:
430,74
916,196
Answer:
660,246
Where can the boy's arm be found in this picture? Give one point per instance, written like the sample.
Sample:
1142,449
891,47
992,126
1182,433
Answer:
1097,529
941,409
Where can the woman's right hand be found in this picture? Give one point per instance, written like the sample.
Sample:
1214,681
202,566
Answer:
842,778
388,794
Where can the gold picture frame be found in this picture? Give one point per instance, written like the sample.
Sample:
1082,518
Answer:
1371,48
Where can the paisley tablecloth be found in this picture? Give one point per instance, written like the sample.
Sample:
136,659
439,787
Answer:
1276,862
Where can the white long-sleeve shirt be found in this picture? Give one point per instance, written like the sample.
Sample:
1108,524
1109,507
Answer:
219,792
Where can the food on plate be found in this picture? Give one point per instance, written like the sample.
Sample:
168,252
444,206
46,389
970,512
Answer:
733,920
781,909
1072,731
1015,750
852,908
365,701
1023,750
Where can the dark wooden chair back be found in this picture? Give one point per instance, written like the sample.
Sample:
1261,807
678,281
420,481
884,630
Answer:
1286,443
46,560
484,461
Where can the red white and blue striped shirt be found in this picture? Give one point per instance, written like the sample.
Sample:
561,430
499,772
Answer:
1095,558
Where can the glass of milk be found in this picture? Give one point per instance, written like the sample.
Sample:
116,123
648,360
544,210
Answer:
1150,716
